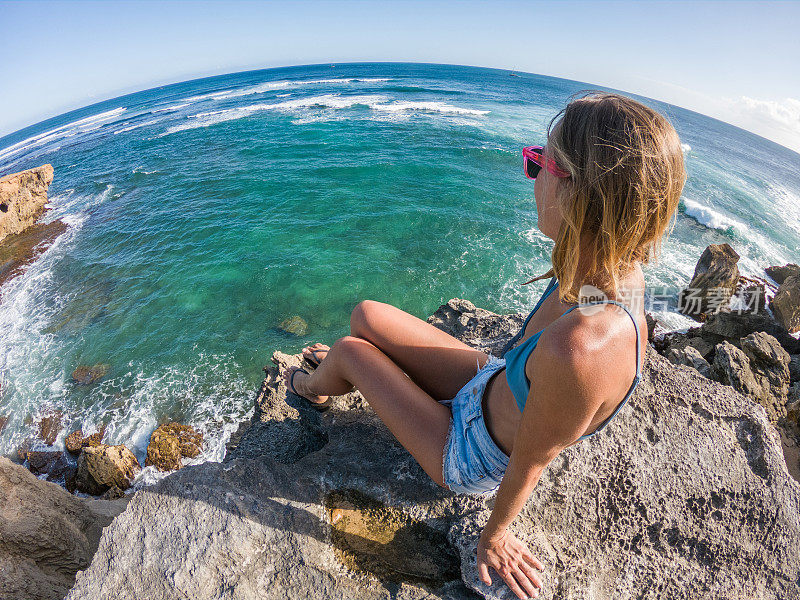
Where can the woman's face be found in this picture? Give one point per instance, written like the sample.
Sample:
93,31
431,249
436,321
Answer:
544,190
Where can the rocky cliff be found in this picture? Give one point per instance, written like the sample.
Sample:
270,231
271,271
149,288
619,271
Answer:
23,197
684,495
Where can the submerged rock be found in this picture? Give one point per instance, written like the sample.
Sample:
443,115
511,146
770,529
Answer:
46,534
684,495
85,375
103,467
169,443
50,427
294,325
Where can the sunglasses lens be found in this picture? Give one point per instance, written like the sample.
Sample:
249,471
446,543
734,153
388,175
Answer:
531,168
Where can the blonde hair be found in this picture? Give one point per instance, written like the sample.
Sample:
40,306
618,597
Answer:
626,177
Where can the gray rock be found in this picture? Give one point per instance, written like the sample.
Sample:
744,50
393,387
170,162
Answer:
684,495
690,357
760,370
786,304
794,368
46,534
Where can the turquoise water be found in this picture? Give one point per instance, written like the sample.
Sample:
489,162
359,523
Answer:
202,214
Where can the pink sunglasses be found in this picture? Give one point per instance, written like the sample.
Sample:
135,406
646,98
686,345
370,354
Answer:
533,161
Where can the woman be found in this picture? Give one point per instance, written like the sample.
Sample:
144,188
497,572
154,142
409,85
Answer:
606,186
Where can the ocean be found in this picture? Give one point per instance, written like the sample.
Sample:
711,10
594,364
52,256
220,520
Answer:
203,214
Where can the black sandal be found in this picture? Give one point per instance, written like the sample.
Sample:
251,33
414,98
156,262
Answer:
320,406
314,363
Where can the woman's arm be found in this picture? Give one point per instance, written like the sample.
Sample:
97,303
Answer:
563,399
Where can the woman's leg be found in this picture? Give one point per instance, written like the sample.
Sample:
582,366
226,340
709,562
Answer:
418,421
437,362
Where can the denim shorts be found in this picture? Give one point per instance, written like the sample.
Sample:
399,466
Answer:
473,463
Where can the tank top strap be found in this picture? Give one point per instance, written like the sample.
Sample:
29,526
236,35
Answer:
548,290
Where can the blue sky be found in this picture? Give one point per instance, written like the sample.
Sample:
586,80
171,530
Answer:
736,61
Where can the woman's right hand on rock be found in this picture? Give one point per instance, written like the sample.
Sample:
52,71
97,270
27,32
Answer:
512,560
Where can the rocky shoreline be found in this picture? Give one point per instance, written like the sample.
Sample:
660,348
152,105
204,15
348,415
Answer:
692,491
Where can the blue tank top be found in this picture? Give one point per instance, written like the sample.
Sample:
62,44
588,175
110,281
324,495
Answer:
517,357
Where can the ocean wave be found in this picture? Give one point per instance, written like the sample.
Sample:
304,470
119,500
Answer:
172,108
269,86
711,218
686,148
376,102
438,107
80,126
137,126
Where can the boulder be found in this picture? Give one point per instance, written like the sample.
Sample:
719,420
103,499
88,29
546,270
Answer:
684,495
102,467
169,443
715,280
75,441
781,273
22,199
46,534
786,304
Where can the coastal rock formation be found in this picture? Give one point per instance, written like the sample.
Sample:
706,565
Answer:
684,495
22,199
715,280
169,443
786,304
46,534
781,273
103,467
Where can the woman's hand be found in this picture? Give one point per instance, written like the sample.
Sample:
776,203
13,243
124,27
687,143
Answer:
512,560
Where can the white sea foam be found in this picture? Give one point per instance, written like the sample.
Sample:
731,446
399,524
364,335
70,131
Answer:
438,107
375,102
712,218
686,148
80,126
172,108
137,126
269,86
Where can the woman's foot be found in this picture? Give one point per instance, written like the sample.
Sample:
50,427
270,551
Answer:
315,353
297,385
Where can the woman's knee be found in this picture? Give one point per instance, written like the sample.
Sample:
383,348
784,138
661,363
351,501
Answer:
362,318
350,345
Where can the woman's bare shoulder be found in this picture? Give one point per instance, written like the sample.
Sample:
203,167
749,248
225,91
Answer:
583,344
